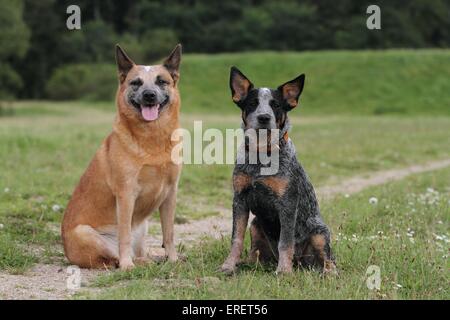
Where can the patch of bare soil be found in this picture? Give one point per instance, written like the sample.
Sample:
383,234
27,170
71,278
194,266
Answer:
358,183
49,281
43,281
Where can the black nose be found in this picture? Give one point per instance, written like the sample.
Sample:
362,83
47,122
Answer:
264,118
149,96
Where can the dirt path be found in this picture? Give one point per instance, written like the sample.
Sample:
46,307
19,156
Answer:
45,281
359,183
218,226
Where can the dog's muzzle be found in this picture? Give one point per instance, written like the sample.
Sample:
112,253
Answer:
149,107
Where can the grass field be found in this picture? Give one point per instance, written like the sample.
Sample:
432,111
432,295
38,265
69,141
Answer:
362,112
398,234
344,82
395,82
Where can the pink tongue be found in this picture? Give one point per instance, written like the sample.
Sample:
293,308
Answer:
150,113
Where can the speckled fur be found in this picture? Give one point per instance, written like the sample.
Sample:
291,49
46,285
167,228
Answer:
288,226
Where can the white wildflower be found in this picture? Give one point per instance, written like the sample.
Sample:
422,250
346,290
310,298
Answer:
373,200
56,208
410,233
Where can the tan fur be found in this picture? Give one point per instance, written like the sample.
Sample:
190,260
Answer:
240,182
261,249
285,259
276,184
241,87
290,92
130,176
318,242
237,246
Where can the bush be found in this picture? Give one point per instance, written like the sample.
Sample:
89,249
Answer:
83,81
133,48
99,40
14,39
10,81
158,44
14,34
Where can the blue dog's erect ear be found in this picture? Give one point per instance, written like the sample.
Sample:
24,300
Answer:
124,63
291,90
239,84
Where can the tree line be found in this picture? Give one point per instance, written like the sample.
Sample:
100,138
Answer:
37,50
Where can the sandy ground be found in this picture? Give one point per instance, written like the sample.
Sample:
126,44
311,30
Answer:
49,281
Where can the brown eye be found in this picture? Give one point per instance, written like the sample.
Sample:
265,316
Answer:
161,82
274,104
136,82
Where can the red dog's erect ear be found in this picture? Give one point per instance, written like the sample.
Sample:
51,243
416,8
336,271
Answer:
124,63
291,90
172,63
239,84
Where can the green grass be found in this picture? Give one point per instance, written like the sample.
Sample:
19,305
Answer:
360,112
44,154
370,82
13,256
337,82
398,234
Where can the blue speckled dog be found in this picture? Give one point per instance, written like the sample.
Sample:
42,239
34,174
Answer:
287,227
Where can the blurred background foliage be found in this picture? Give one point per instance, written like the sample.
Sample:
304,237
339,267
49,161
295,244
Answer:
39,56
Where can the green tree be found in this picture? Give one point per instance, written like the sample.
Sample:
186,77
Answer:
14,39
35,45
99,40
157,43
44,54
293,26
